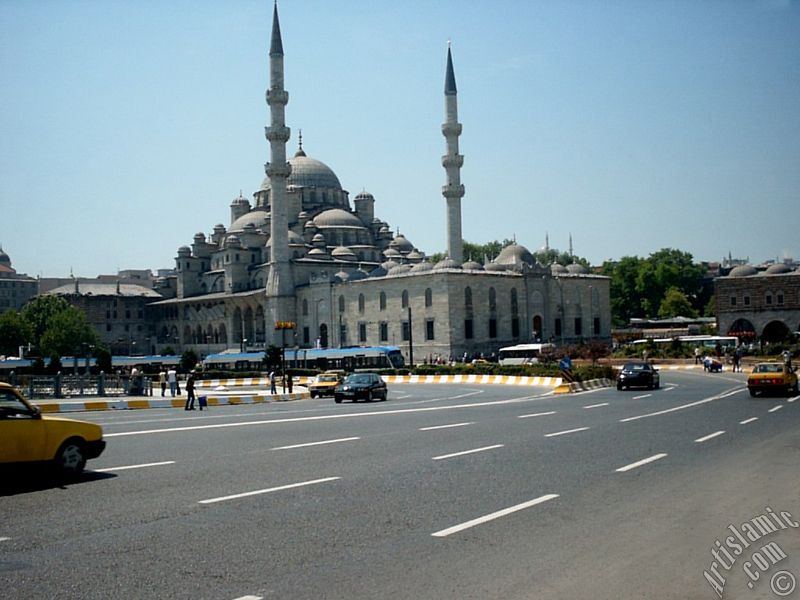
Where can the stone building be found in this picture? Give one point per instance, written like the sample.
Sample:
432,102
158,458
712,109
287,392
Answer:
301,253
754,304
15,288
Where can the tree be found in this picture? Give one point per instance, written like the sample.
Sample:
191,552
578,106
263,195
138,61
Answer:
676,304
272,358
189,359
14,332
67,332
39,313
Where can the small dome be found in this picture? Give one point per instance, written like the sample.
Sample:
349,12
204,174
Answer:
742,271
341,276
385,229
558,269
219,228
577,269
389,264
391,253
240,200
777,269
399,270
401,244
364,196
378,272
422,267
446,263
318,239
494,267
233,241
415,256
199,237
184,251
337,217
309,226
471,265
303,215
343,253
317,253
514,254
358,275
295,240
258,218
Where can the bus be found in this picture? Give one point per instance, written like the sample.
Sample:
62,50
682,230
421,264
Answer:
324,359
524,354
708,342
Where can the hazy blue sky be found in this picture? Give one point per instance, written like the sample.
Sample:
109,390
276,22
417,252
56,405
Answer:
128,126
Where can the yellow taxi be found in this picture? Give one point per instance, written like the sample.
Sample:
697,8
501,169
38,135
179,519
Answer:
324,384
772,377
27,437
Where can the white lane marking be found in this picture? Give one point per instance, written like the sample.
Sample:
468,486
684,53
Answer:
267,491
445,426
596,405
443,456
682,406
793,399
710,436
642,396
322,443
494,515
5,539
639,463
557,433
669,389
378,413
750,420
774,408
249,598
142,466
541,414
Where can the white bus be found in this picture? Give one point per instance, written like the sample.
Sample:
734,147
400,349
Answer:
523,354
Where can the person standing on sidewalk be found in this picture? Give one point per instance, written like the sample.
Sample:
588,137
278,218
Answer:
172,378
190,392
162,379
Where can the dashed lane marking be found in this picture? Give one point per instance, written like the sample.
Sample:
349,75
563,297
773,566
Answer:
484,449
434,427
710,436
539,414
642,396
596,405
142,466
774,408
750,420
321,443
639,463
494,515
267,491
557,433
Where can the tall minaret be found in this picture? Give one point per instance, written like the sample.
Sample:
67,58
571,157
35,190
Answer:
280,287
453,191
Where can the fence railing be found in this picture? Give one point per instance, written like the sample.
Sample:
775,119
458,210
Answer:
82,386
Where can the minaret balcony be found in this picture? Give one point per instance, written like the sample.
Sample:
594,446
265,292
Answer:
451,129
277,97
277,133
453,160
453,191
278,170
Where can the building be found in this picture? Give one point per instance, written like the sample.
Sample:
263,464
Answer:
301,253
753,304
15,288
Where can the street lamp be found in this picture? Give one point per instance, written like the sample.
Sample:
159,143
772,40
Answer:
561,308
317,335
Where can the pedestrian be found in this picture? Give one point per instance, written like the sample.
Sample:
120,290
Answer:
735,360
162,379
178,384
787,358
289,381
272,389
190,392
172,378
738,353
697,360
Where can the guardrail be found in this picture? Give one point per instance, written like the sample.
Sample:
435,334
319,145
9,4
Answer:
81,386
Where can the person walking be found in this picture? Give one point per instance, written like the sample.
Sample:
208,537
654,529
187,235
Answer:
289,381
272,389
162,379
172,378
190,392
697,359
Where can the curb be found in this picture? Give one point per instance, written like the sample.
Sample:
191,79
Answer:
583,386
487,379
136,404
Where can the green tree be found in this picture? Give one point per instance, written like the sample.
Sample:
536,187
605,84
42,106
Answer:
39,313
272,357
14,332
68,332
189,359
676,304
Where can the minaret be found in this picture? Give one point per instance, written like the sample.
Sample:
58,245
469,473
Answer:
453,191
280,287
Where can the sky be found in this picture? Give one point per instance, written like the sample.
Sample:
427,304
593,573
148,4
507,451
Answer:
127,126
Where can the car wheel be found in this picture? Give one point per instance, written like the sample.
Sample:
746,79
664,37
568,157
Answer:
70,458
369,396
619,386
337,399
752,393
658,384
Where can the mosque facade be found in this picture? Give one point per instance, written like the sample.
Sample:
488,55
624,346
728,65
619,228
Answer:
302,253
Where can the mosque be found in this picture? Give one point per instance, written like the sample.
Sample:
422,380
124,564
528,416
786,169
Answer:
300,255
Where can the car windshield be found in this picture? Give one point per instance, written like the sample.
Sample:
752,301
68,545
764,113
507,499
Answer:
358,379
635,367
327,378
771,368
11,405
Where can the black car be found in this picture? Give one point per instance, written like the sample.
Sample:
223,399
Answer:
366,386
639,374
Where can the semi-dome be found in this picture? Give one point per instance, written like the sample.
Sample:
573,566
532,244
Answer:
742,271
577,269
446,263
378,271
343,253
514,254
337,217
777,269
558,269
257,217
308,172
422,267
399,269
494,267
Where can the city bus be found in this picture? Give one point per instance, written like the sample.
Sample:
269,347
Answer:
324,359
524,354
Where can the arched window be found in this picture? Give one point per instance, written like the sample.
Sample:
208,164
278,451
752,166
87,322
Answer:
428,297
405,299
514,302
341,304
468,298
383,301
361,303
492,299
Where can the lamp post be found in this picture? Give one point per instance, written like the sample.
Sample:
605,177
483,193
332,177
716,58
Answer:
561,308
317,335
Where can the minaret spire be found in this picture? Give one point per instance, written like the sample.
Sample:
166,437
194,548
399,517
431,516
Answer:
280,287
453,190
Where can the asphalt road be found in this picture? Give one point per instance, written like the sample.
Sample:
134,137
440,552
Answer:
444,491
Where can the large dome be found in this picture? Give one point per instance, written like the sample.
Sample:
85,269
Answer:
258,218
337,217
743,271
308,172
514,254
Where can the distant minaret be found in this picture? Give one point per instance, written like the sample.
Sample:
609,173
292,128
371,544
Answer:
452,162
571,255
280,287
